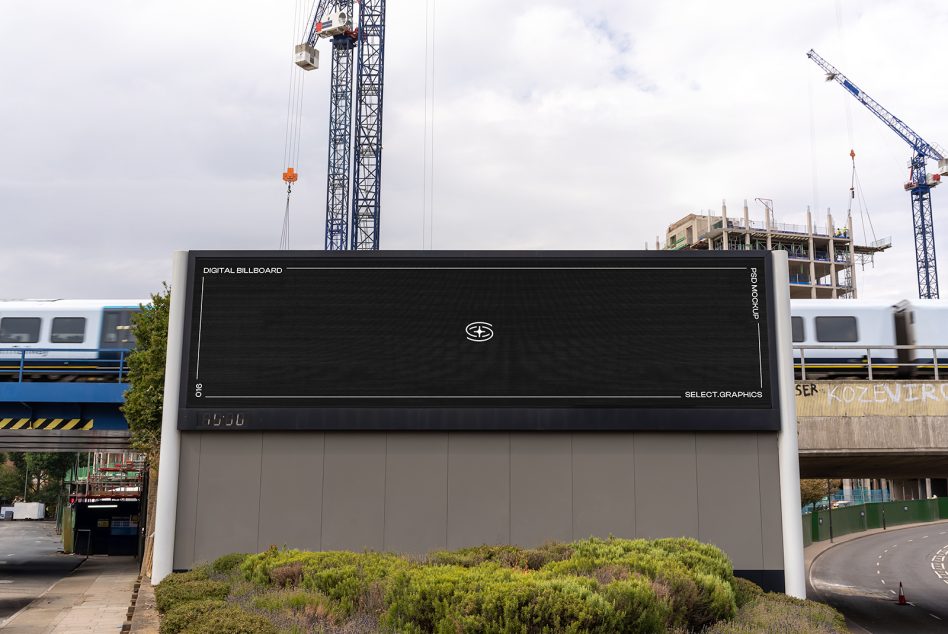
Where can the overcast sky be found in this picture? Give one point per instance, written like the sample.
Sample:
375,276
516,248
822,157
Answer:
129,130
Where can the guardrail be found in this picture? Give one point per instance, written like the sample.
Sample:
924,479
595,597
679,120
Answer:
934,362
100,362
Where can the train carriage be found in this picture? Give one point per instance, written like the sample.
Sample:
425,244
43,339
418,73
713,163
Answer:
65,338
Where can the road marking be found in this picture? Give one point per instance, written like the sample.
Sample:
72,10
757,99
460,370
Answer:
925,537
880,557
933,616
892,591
910,540
6,581
938,563
878,573
883,581
877,564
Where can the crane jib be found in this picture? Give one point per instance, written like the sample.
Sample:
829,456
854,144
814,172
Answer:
850,87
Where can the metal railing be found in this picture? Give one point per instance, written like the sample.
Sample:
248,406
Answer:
109,363
866,363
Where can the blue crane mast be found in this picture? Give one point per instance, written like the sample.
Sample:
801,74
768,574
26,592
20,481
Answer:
919,184
348,186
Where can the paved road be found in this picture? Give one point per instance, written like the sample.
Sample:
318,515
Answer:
860,578
29,563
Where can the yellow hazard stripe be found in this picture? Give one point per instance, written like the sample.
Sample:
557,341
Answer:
46,423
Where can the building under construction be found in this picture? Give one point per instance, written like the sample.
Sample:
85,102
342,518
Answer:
822,258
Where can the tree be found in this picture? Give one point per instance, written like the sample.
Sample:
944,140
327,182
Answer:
816,489
42,475
144,399
146,375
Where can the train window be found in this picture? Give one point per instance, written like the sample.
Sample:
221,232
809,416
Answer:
68,330
19,329
796,325
836,329
117,329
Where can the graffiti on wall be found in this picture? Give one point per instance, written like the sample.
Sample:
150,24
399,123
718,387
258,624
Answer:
872,398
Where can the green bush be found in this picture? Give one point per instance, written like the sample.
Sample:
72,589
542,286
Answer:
343,577
511,556
170,595
492,598
231,619
228,563
773,612
637,608
745,591
183,614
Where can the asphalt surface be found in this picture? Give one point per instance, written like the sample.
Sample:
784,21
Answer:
29,563
860,578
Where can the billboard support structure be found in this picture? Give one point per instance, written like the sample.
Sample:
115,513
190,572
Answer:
166,505
788,452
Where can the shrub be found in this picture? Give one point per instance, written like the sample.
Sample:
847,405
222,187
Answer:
637,608
228,563
510,556
492,598
745,591
231,619
287,575
310,603
343,577
168,596
199,573
773,612
183,614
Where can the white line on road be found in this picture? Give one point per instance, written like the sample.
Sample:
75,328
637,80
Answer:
6,580
925,537
883,581
892,591
933,616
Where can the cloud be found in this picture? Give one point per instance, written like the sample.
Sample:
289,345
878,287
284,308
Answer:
132,130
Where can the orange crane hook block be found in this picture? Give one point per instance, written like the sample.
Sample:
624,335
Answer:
290,175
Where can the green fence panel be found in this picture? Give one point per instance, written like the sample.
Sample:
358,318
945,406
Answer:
942,508
873,516
854,519
910,511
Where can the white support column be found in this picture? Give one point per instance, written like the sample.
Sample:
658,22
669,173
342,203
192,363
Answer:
166,505
787,450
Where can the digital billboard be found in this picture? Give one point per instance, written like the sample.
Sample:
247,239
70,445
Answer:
479,341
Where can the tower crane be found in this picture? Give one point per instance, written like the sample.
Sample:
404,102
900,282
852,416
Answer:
919,184
355,165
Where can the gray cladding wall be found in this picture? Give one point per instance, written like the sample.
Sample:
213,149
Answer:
414,492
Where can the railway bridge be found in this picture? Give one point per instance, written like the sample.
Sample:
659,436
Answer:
879,428
53,404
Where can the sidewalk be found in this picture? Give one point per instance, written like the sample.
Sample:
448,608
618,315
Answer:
93,598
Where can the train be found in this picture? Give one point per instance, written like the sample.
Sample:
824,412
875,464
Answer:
66,339
839,337
850,337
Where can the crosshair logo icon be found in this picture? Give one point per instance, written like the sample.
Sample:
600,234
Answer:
479,331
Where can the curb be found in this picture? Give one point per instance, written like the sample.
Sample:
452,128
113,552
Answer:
127,626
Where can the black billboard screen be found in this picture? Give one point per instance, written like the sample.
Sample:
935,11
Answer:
482,340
